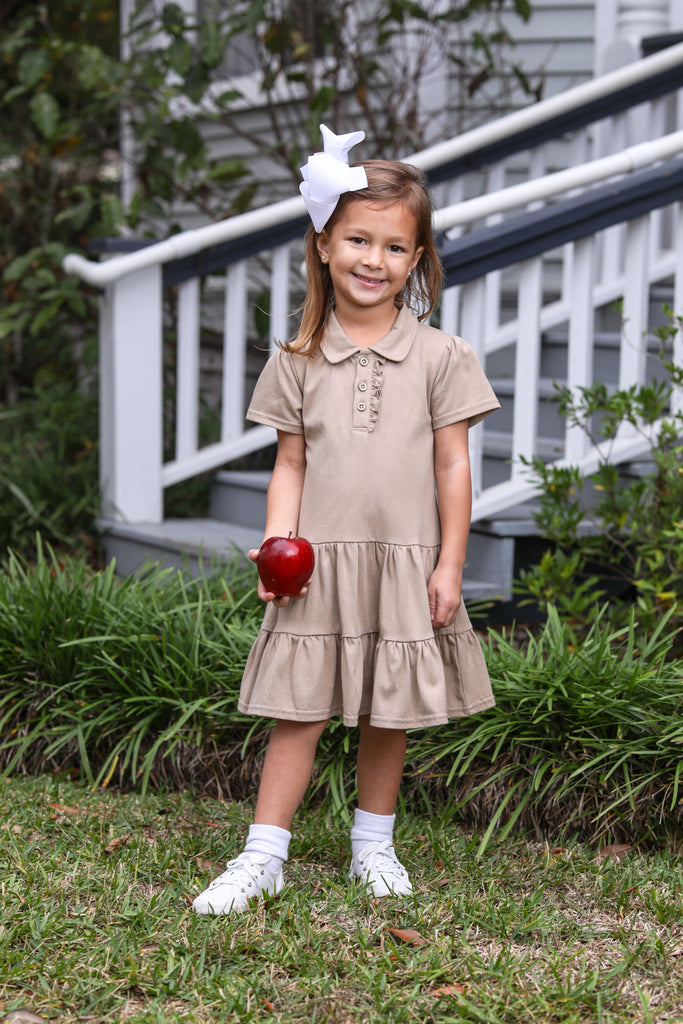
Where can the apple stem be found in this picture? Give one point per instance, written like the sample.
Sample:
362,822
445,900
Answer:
290,534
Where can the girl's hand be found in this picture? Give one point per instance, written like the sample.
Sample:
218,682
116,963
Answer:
278,600
444,590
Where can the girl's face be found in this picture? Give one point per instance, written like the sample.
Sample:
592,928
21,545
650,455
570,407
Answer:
370,251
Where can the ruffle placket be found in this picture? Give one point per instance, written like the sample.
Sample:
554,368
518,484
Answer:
376,390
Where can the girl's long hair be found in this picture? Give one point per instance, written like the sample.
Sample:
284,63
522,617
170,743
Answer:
388,182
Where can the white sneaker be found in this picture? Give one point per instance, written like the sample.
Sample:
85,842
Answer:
378,866
247,877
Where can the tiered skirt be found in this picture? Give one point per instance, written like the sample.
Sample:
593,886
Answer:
361,643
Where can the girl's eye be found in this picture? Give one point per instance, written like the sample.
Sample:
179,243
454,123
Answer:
397,248
358,241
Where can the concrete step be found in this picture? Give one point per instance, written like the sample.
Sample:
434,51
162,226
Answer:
497,550
201,545
501,364
494,547
239,496
190,544
551,426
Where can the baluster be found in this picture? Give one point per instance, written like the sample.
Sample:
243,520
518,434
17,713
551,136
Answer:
449,310
131,398
633,352
187,372
581,335
613,238
537,169
234,351
527,365
493,279
450,300
657,129
578,155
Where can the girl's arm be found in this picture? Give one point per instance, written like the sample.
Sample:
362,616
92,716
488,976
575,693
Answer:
454,493
284,499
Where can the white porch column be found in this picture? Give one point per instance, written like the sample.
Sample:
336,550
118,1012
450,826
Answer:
634,21
131,447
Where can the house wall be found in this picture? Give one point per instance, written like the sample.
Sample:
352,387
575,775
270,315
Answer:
564,43
558,38
555,47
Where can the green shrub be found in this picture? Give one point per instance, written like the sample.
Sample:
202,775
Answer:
115,675
615,535
48,469
136,681
586,734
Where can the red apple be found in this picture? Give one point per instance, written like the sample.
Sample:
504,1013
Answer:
285,564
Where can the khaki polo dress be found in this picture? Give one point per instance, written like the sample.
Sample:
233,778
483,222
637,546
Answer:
361,642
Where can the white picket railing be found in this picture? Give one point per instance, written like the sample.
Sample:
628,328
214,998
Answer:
621,264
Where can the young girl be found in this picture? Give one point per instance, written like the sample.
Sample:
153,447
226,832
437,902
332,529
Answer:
372,408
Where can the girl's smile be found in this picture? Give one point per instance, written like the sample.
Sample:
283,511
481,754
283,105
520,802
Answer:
371,250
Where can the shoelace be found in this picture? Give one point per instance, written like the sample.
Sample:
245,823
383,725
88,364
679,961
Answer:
383,858
242,871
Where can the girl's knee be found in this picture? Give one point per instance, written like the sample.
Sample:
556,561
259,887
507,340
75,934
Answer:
300,730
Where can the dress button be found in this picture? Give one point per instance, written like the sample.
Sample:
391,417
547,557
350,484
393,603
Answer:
361,407
362,386
363,360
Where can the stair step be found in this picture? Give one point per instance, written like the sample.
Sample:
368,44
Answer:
192,544
200,545
506,386
498,445
239,496
517,521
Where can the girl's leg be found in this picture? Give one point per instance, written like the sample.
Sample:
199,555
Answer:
287,771
381,758
258,869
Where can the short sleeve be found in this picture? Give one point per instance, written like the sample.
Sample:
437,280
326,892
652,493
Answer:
278,396
460,390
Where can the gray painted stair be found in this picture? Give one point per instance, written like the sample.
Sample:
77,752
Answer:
191,544
238,498
237,518
497,548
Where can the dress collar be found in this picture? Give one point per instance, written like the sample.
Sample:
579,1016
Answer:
395,345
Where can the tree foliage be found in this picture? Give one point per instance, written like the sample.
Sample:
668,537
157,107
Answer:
86,110
346,62
65,87
616,535
60,82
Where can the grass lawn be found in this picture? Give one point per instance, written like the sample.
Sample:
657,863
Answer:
96,926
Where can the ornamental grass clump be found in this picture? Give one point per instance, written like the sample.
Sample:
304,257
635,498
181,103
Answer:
586,735
134,682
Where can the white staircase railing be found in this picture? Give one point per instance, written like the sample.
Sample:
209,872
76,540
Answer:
501,309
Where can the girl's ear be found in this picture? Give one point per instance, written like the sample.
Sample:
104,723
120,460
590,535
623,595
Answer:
321,245
416,258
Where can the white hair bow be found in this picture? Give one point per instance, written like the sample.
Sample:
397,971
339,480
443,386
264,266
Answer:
327,175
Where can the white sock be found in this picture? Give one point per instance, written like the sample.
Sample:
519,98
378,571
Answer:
370,828
270,839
